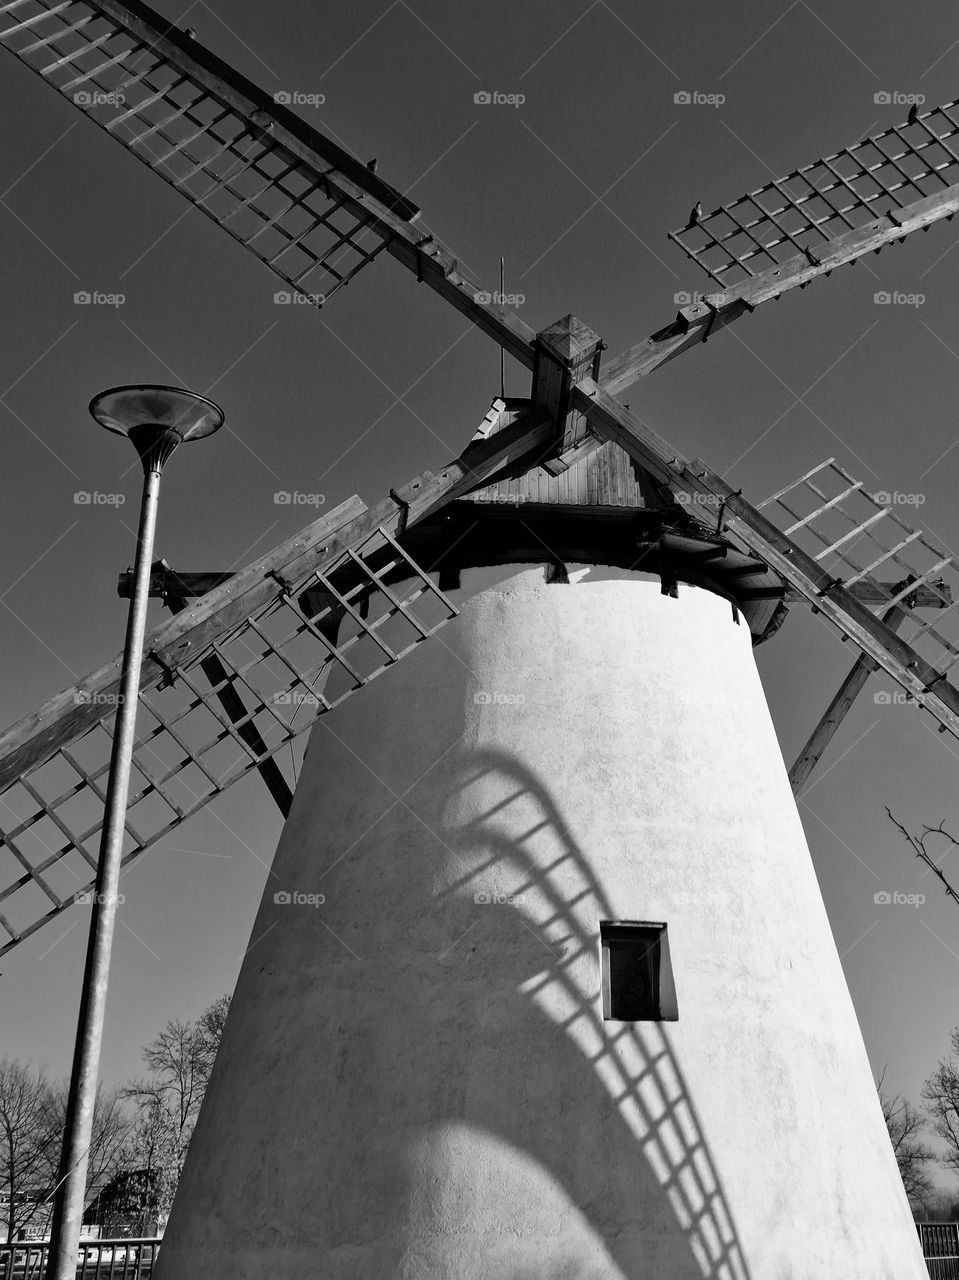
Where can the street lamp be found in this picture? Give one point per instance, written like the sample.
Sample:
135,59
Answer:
157,420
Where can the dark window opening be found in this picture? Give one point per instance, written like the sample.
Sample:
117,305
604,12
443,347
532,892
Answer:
636,972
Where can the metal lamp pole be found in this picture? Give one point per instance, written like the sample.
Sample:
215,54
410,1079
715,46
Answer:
156,420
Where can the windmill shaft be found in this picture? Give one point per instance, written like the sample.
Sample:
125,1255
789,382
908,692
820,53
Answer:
78,1126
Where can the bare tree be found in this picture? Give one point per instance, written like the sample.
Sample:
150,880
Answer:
904,1124
28,1142
941,1095
112,1127
180,1060
32,1113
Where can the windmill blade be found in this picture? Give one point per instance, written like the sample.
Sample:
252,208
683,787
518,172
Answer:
802,226
305,207
826,573
285,640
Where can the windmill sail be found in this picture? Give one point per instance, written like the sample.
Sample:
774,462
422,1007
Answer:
310,211
294,634
795,229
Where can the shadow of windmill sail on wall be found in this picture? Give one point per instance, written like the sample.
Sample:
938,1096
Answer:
644,1134
417,1078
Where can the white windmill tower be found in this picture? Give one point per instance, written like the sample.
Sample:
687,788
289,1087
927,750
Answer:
570,1004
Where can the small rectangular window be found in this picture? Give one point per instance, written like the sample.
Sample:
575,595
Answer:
636,972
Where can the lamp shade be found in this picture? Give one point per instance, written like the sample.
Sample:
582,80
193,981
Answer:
190,415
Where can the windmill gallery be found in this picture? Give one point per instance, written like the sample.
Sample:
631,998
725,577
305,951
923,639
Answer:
575,733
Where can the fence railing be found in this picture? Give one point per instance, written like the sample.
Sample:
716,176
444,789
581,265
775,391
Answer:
119,1259
123,1259
940,1248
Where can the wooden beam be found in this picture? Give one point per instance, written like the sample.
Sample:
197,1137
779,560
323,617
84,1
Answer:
166,584
838,709
867,591
689,329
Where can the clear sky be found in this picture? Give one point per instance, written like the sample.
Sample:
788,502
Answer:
576,187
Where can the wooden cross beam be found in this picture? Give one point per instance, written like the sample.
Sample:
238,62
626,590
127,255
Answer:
869,592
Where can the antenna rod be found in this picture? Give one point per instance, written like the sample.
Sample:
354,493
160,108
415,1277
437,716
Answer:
502,350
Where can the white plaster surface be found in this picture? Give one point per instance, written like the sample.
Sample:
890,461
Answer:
418,1084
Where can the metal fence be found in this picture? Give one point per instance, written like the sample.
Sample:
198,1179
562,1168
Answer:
96,1259
134,1259
940,1248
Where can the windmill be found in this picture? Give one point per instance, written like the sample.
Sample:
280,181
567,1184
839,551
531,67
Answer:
585,976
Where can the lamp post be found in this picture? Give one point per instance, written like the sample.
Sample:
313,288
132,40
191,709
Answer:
157,420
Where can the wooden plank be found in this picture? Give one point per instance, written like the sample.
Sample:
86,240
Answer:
164,582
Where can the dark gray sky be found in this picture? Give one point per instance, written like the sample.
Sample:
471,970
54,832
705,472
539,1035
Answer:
577,188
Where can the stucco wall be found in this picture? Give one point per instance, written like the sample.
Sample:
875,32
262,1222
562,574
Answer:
418,1083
